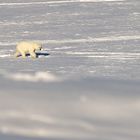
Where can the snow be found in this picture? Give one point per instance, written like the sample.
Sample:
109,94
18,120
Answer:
54,2
88,85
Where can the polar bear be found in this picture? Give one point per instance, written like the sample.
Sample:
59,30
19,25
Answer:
27,47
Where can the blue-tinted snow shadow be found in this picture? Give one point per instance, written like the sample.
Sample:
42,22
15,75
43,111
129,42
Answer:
16,137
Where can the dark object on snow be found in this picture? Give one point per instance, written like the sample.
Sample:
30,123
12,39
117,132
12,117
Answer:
42,53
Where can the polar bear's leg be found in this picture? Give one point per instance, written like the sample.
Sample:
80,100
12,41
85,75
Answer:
33,54
23,54
17,53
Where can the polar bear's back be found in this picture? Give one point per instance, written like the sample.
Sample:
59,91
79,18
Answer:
26,45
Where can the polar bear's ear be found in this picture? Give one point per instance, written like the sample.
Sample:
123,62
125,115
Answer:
38,43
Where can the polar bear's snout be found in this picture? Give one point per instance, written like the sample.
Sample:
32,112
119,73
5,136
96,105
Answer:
41,48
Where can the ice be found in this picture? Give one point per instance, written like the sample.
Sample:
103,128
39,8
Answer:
87,87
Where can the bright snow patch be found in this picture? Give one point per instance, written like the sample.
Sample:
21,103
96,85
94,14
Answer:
83,40
55,2
38,76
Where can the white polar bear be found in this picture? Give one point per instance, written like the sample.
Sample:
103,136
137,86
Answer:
27,47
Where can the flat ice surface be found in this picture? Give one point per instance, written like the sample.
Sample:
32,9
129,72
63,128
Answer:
88,87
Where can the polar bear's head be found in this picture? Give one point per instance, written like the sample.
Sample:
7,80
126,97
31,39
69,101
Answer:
37,46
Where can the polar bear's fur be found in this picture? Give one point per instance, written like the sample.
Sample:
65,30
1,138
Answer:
27,47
